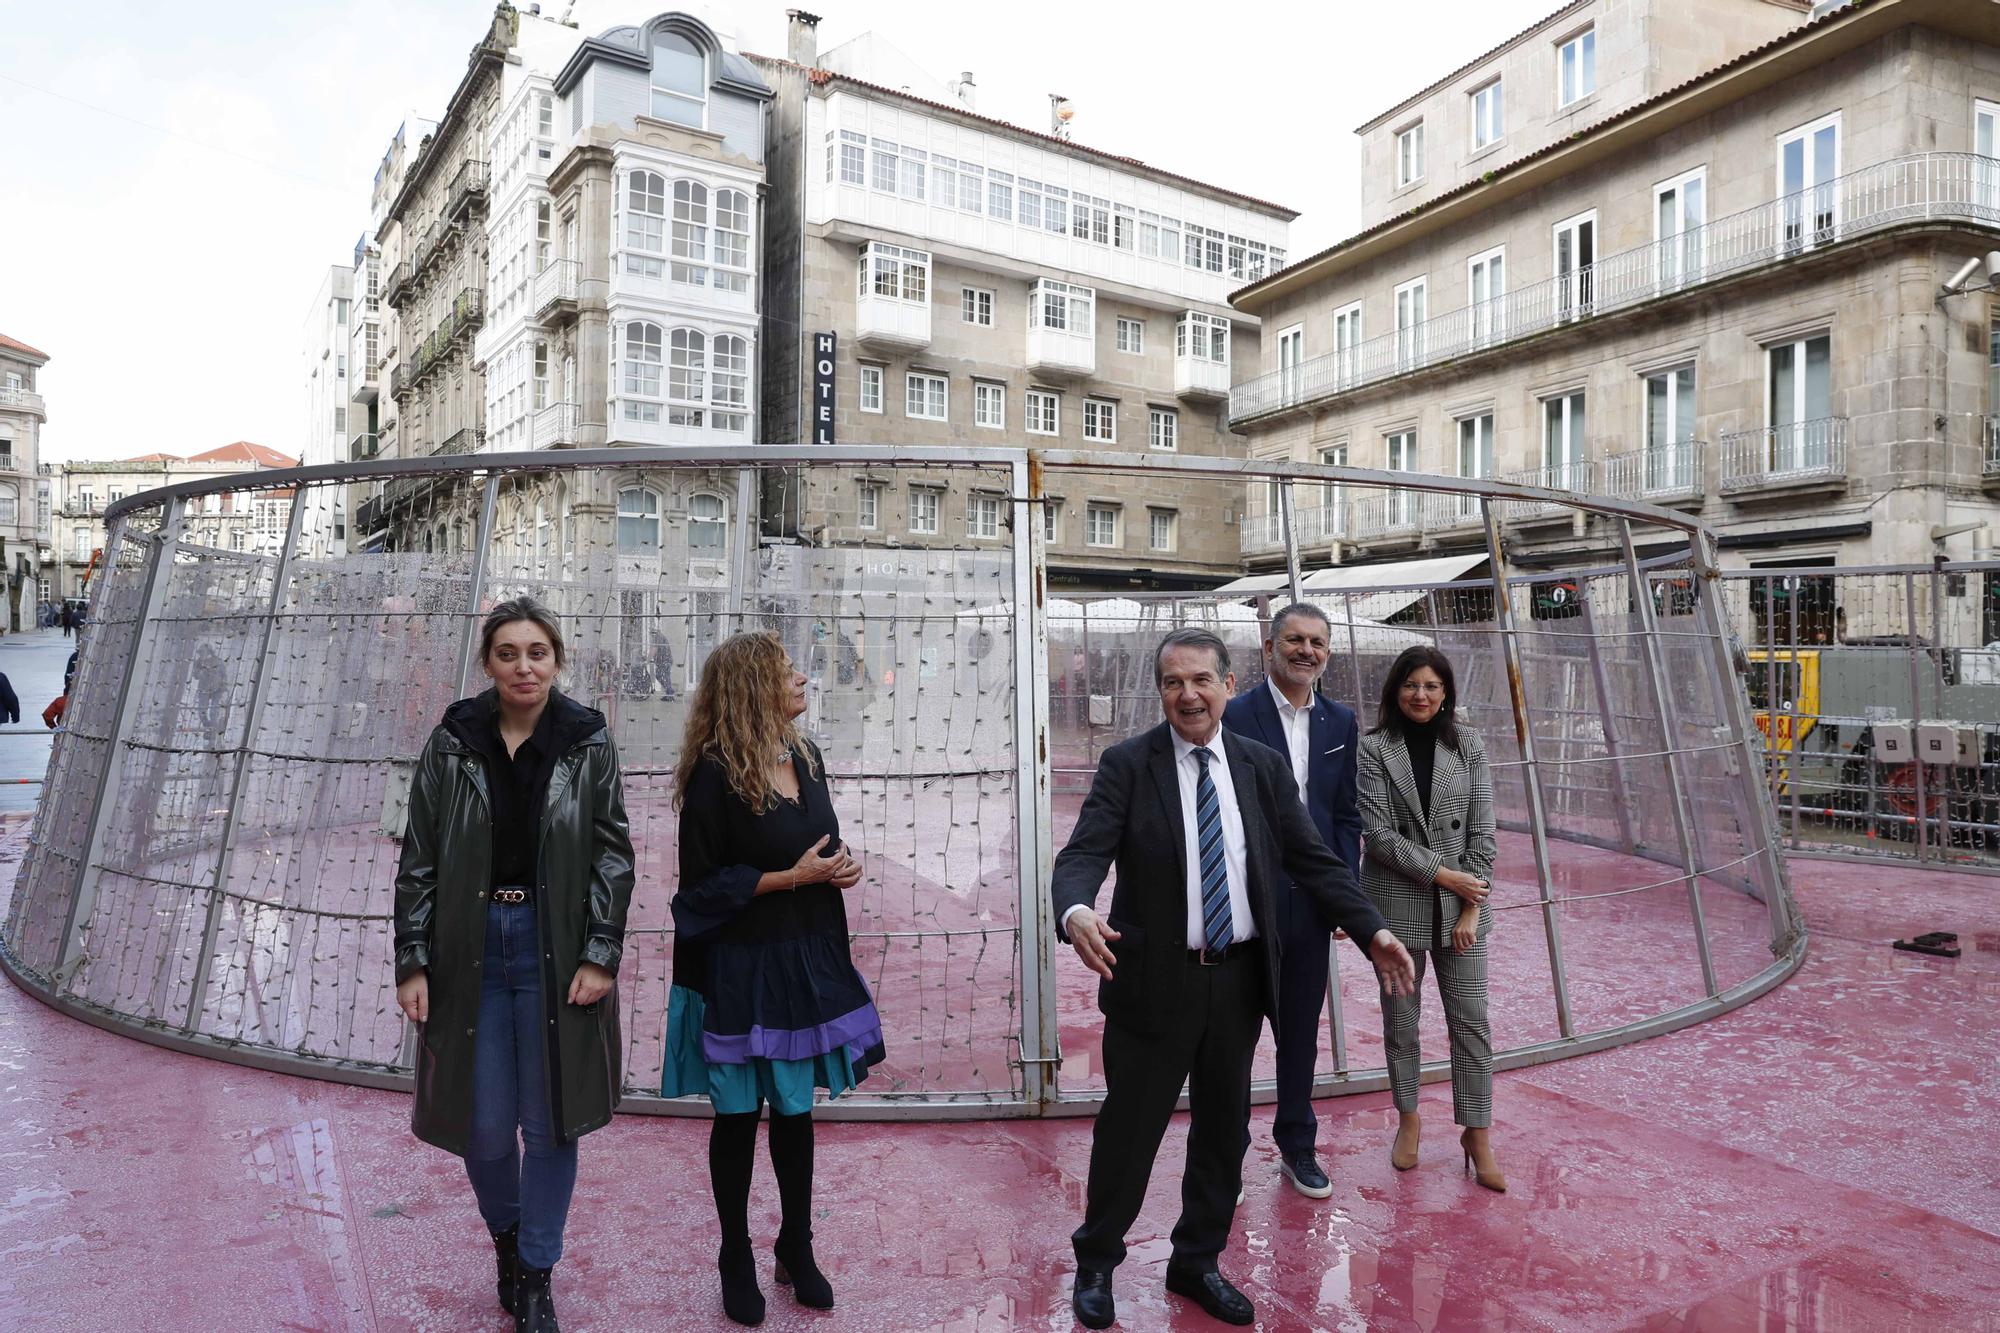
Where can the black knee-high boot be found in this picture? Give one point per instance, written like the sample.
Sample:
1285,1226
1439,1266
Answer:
732,1151
792,1161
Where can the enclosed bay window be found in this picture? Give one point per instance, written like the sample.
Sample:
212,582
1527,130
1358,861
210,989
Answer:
690,233
687,377
895,272
729,382
1202,337
732,241
1063,307
645,223
641,381
853,158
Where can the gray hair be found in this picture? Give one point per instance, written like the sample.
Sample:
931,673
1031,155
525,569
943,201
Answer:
520,608
1292,612
1189,637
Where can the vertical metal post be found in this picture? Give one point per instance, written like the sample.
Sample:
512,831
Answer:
1793,751
468,652
1917,767
1773,762
150,599
1621,795
1670,734
1524,733
1291,530
1761,814
1041,1052
1354,655
232,819
749,521
1937,708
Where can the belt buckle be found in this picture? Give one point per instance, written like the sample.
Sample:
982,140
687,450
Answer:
1211,957
512,897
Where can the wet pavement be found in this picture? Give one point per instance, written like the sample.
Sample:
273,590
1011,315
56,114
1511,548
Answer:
33,663
1823,1159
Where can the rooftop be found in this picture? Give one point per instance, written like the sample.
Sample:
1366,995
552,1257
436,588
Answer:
16,345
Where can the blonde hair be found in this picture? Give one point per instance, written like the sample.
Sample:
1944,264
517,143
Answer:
737,720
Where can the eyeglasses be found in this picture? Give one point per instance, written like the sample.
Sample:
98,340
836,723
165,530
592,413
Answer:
1423,687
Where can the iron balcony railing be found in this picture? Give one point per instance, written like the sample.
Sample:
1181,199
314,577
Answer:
1959,187
555,426
1317,524
1992,468
1579,476
465,440
555,288
1671,471
1390,515
402,379
468,312
1800,451
397,283
467,187
363,447
22,398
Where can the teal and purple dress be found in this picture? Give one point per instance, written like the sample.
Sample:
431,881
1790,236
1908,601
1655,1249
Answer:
766,1003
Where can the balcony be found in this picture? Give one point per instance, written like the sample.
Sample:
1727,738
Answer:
1317,525
555,293
891,324
468,312
1799,456
363,447
468,188
22,400
1579,477
398,283
1199,379
1056,352
1453,513
1935,187
430,247
368,517
1386,518
1669,474
401,380
465,440
555,427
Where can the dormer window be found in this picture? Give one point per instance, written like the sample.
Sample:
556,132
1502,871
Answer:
680,79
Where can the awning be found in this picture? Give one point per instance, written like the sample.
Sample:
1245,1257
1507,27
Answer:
1252,583
1380,591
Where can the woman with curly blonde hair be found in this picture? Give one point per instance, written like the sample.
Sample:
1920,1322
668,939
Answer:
766,1003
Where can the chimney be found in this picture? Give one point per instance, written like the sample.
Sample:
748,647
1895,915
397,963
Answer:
802,37
968,92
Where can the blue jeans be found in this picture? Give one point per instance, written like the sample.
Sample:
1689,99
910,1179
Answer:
510,1091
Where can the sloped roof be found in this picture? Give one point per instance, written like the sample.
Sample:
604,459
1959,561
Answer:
16,345
242,451
1473,63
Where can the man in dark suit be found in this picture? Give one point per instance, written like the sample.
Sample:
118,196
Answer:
1201,825
1319,739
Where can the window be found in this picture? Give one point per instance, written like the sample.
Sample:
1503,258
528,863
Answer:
1062,307
1400,506
1798,400
1100,527
1202,337
1132,336
983,516
975,307
1163,429
887,166
924,510
1576,67
541,398
853,158
340,310
989,405
1051,519
1576,260
913,174
895,273
690,233
708,526
642,370
871,388
638,522
729,382
1670,453
687,375
924,397
868,506
1808,161
680,79
1412,305
1160,529
1291,358
1410,155
645,223
1475,445
1679,209
1031,202
1332,494
1485,284
1044,412
1347,345
1563,434
545,234
545,124
1100,421
1000,195
1986,147
732,241
1489,120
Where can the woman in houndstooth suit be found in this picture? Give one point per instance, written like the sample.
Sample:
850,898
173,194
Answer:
1426,800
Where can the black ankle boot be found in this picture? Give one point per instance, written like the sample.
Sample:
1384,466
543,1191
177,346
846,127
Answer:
534,1304
742,1301
797,1269
507,1259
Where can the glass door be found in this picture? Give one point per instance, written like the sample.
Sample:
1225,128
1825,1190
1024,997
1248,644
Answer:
1808,162
1680,208
1670,452
1576,260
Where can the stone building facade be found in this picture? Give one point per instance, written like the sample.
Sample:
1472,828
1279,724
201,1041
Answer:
24,498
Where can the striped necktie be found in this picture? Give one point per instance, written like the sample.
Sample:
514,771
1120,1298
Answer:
1218,926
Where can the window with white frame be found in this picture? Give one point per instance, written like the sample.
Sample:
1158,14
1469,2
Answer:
1163,429
989,405
1100,525
1100,420
1160,526
690,233
545,234
914,163
638,521
975,306
1051,519
1063,307
1485,285
1202,337
925,397
708,525
1670,450
1798,376
895,272
645,223
687,377
541,395
1808,163
1475,445
1576,265
1412,307
1576,67
643,358
1564,430
924,503
885,165
680,79
868,506
1680,208
1410,155
853,158
1000,195
1332,455
1291,357
1489,121
871,388
731,248
1400,506
729,382
545,126
1985,147
1044,412
1347,343
983,516
1132,336
1030,194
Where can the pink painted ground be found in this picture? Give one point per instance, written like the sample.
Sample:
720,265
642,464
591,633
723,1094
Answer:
1824,1159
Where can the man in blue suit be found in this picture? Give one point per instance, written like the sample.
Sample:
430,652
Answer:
1319,737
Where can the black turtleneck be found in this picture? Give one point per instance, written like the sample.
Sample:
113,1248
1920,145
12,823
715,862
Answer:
1421,740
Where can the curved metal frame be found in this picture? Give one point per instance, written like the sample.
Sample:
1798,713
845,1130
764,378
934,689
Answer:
1037,1036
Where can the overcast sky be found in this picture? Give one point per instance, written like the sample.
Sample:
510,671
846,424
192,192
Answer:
179,176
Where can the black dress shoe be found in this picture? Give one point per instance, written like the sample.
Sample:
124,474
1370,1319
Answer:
1092,1298
1212,1292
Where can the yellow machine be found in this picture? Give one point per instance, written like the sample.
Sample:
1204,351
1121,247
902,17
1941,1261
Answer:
1784,692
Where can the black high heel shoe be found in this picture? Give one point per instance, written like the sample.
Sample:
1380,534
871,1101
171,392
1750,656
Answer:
742,1300
796,1269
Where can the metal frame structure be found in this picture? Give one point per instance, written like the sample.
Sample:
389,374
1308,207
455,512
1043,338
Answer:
1039,1086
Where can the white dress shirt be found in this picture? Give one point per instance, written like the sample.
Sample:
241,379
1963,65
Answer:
1297,723
1234,857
